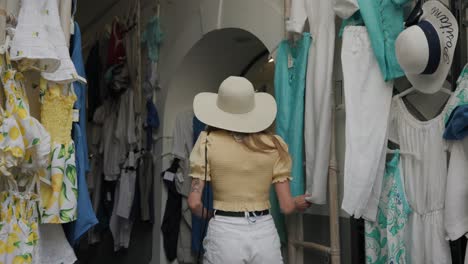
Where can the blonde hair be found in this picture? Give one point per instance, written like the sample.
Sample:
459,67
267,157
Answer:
256,142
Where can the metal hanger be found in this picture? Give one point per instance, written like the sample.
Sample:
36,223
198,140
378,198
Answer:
412,89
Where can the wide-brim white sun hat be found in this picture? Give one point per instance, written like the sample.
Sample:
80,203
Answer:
236,107
425,51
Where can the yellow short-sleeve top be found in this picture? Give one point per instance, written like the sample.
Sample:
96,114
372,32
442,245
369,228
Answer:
240,178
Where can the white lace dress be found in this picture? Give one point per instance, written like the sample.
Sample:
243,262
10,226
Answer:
425,182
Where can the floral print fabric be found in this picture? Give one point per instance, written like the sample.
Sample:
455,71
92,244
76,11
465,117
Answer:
59,199
18,210
35,138
385,238
18,228
11,143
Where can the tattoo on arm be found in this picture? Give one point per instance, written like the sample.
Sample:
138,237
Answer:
196,185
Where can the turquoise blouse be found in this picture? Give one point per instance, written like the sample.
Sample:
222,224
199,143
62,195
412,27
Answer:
384,21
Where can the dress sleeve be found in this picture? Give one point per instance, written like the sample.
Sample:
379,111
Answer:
456,211
197,159
282,167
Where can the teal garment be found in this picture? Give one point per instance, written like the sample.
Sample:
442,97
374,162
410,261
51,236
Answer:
385,238
290,78
153,38
354,20
384,21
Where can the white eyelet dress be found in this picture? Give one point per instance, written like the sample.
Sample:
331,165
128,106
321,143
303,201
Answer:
39,41
425,182
31,37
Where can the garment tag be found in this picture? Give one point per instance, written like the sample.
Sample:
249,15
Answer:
76,115
169,176
108,196
180,177
290,61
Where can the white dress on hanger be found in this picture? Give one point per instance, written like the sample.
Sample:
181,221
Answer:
65,9
40,40
425,182
31,36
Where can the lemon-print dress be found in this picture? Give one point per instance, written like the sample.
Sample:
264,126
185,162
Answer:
36,138
18,210
59,182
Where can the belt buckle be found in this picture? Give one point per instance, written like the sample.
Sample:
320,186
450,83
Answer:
256,213
251,218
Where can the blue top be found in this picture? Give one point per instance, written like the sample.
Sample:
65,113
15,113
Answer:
86,217
80,91
198,224
384,21
457,126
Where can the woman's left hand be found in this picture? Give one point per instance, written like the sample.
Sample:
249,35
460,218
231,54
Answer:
301,203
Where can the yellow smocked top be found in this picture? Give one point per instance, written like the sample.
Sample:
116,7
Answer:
240,178
57,112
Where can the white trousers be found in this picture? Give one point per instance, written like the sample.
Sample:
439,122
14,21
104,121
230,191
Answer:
318,98
367,102
242,240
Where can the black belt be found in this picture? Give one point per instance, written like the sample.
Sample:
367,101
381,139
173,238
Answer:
242,214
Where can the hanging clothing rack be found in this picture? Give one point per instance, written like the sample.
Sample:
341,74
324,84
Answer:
296,243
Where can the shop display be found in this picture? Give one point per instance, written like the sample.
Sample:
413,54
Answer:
85,168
